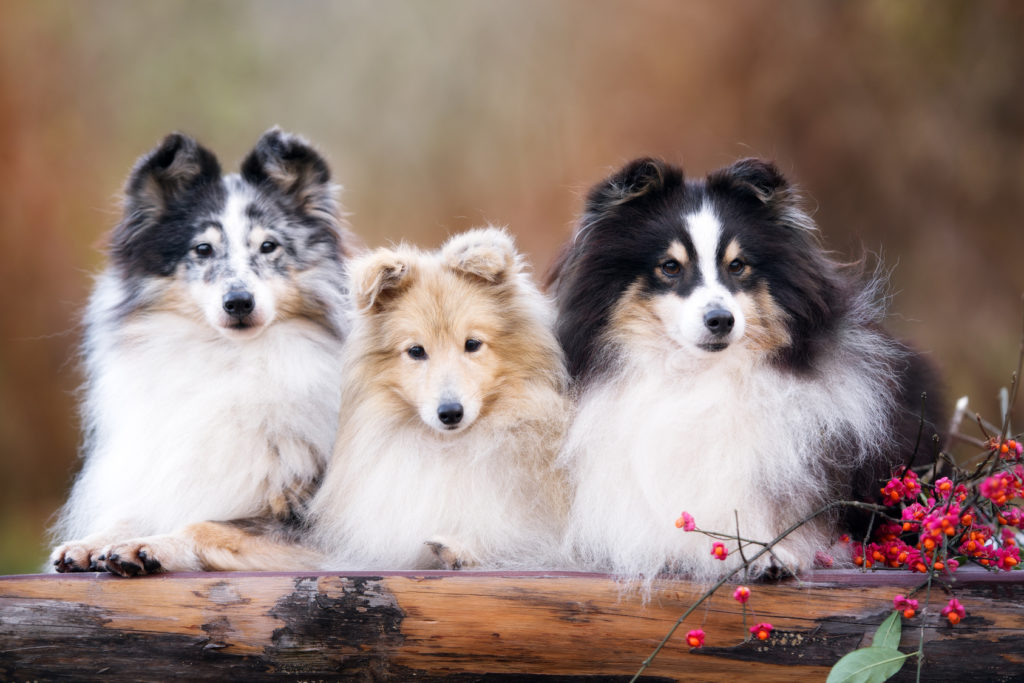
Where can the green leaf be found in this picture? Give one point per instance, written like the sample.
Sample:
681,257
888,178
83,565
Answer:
868,665
888,633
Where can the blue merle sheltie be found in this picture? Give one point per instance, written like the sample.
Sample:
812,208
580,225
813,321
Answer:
725,365
211,352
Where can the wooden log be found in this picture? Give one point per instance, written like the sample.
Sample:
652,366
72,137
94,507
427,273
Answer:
481,626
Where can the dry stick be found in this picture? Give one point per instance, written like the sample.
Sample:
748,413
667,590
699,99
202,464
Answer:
767,548
968,440
920,432
739,546
955,421
1015,383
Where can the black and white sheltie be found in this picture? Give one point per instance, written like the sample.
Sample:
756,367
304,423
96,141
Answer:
723,365
212,349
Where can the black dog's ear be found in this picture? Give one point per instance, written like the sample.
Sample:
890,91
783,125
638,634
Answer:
636,179
761,177
288,164
162,177
764,181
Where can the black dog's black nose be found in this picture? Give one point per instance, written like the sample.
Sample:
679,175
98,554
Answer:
239,303
719,321
450,413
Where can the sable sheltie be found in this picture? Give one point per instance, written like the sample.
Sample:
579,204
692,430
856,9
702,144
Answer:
723,365
454,386
211,352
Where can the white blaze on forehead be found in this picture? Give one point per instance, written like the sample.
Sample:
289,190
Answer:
236,230
705,232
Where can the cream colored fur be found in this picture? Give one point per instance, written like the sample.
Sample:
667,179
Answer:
484,494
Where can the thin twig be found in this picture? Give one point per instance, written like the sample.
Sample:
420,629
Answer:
1015,382
955,421
924,618
920,432
746,565
721,582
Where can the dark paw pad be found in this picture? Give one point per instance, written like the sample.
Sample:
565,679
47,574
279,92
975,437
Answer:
115,565
777,572
445,555
150,564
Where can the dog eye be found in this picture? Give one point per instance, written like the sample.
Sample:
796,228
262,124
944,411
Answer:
203,250
268,247
417,352
737,266
671,268
473,345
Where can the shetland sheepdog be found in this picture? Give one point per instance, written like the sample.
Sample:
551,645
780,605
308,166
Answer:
723,365
454,388
212,352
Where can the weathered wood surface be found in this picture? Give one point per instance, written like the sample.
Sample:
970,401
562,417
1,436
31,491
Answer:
468,626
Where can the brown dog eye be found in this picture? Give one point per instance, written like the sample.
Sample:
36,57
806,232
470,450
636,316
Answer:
473,345
203,250
417,352
737,266
671,268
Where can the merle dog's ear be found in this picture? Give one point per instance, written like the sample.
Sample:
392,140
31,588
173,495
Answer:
176,167
378,277
290,166
636,179
488,254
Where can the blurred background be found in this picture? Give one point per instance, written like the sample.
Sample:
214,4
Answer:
902,120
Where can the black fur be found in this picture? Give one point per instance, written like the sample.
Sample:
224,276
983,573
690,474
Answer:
630,219
168,190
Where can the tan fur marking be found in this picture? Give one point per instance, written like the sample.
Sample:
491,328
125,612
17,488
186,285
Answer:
223,547
732,252
634,320
766,322
677,251
174,297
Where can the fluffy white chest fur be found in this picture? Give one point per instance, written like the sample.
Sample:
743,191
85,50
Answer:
185,425
478,494
736,436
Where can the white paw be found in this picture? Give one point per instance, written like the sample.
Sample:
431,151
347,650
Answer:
451,554
77,556
150,555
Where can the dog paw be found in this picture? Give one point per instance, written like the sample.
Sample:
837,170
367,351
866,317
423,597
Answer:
780,564
451,555
77,556
132,558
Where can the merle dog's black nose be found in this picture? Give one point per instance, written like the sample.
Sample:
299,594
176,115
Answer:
450,413
239,303
719,321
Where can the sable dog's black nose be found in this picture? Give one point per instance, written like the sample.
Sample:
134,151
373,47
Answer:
450,413
719,321
239,303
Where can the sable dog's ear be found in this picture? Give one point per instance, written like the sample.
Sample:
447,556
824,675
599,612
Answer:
164,176
636,179
378,277
289,165
488,254
763,180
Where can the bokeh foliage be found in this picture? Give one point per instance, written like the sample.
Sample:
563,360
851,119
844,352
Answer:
903,121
